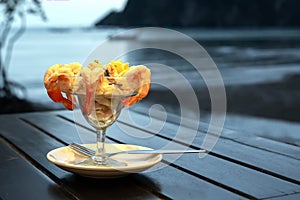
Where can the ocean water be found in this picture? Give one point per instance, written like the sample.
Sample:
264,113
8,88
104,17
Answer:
243,57
232,50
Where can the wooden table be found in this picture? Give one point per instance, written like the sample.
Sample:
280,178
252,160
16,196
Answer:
240,166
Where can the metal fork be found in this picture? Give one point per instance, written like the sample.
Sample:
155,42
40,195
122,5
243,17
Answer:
90,152
82,149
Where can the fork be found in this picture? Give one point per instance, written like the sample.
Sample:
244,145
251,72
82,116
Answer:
90,152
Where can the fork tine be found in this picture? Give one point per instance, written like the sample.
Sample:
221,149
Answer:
82,149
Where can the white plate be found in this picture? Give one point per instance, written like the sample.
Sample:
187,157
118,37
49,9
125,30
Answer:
65,158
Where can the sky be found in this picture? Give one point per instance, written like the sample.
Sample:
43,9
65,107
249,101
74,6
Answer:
74,13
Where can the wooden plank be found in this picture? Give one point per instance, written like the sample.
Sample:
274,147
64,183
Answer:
230,148
222,171
166,183
287,197
217,170
177,184
36,145
57,128
16,172
243,138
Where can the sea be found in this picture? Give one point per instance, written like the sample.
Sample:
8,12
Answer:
40,48
243,56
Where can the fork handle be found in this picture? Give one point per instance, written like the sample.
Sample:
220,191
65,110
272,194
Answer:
164,151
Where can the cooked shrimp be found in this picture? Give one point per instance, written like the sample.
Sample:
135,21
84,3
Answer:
61,72
139,78
93,77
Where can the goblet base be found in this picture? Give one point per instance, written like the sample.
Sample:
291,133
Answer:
108,162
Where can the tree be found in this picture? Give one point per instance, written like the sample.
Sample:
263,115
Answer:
11,12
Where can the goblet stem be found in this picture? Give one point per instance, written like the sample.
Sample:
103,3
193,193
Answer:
100,154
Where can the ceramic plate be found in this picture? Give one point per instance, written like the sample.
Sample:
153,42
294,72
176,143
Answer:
66,158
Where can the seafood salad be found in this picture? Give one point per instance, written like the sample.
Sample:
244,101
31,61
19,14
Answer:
96,84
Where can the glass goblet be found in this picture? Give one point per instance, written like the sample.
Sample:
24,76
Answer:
101,106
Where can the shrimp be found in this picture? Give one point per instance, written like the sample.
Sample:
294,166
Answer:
58,78
139,78
61,72
93,77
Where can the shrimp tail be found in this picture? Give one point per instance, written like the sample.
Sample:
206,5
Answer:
139,78
51,78
93,78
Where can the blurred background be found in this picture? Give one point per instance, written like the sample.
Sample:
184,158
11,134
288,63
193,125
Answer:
255,45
